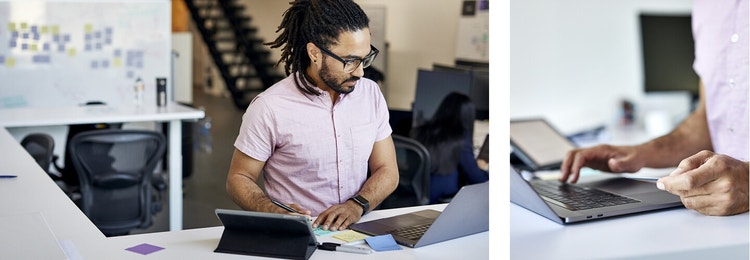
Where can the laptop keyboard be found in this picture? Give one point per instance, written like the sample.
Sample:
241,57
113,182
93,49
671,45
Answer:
574,197
413,232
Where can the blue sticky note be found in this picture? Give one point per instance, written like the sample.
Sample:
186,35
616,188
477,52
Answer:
321,232
382,243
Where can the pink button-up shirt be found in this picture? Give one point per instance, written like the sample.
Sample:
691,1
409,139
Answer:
720,29
316,152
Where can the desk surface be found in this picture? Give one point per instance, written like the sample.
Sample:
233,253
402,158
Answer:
200,244
675,233
24,117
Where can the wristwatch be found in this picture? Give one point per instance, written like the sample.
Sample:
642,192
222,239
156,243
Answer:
362,203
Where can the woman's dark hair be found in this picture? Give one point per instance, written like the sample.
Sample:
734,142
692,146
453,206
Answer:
444,134
317,21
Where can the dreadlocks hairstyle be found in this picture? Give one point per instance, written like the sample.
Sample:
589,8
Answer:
316,21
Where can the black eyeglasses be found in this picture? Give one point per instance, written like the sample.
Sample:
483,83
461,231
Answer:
353,63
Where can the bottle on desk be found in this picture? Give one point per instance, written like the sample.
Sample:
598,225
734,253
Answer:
138,89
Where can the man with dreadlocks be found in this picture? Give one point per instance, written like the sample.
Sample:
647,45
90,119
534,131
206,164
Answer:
316,133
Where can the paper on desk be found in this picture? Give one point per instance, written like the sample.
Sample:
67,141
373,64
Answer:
350,235
382,243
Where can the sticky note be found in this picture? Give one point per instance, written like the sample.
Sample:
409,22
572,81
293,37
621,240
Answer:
322,232
144,249
350,235
382,243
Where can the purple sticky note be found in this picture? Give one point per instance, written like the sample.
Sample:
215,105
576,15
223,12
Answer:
144,249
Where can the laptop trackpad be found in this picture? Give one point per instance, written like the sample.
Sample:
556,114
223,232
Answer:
624,186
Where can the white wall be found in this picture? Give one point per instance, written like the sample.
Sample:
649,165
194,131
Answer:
573,61
419,33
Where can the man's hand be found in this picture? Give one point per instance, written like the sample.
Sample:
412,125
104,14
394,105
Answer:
710,183
339,217
606,158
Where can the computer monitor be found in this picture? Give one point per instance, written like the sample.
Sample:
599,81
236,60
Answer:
668,53
480,86
432,87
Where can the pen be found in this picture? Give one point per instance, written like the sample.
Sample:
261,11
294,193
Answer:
356,242
287,208
344,248
7,176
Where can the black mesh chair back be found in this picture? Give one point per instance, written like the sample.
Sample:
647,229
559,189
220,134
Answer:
41,147
414,174
115,169
67,172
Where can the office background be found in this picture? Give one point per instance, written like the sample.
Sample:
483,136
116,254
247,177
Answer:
572,62
418,33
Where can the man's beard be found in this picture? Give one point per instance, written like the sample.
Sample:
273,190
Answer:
330,81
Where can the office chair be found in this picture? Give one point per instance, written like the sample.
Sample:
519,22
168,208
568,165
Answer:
68,175
115,168
40,146
414,174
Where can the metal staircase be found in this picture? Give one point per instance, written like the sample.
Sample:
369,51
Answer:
240,56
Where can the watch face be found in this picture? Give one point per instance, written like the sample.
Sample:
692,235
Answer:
363,203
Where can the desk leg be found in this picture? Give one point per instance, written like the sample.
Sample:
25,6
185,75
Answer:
175,175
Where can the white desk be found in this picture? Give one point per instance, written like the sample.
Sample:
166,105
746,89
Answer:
34,192
671,234
200,244
173,113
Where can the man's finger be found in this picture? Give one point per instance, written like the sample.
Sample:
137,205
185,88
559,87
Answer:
690,181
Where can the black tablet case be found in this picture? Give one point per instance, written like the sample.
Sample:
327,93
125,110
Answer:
266,234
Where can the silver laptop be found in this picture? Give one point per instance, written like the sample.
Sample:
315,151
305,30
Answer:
467,213
593,197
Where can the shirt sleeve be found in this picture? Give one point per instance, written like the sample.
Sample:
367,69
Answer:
384,126
256,136
468,164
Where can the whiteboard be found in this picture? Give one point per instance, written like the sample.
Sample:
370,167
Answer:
473,36
63,53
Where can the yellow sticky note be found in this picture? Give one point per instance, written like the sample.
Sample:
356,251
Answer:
88,28
44,29
350,235
10,62
24,26
72,52
32,47
117,62
12,27
55,29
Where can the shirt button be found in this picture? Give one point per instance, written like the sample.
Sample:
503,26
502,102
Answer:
735,37
731,82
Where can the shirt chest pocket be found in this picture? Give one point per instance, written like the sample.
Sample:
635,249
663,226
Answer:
362,140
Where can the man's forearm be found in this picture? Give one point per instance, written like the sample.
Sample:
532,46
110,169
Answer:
688,138
381,183
247,194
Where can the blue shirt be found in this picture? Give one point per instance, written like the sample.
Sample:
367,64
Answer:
467,172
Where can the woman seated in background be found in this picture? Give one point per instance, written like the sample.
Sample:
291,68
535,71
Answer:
448,138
